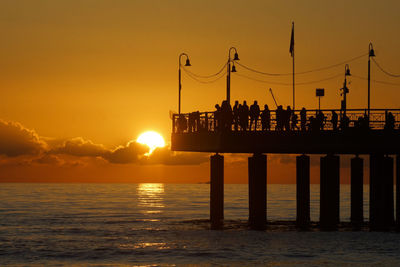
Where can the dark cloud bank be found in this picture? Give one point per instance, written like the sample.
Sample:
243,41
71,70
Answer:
16,140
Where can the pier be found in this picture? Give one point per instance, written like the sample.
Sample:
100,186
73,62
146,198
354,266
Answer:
362,133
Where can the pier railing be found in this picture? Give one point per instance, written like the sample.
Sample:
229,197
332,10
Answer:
353,118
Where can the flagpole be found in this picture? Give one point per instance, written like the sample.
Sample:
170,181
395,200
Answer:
293,69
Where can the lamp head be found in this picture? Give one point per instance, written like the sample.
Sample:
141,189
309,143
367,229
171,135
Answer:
187,64
236,57
371,51
233,68
347,73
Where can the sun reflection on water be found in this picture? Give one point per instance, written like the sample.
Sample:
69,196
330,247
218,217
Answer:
151,197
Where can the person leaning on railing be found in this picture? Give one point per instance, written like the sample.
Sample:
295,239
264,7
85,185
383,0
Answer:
254,114
217,115
334,120
389,121
235,112
266,119
244,116
182,123
303,119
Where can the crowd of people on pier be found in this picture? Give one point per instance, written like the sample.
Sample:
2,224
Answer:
241,117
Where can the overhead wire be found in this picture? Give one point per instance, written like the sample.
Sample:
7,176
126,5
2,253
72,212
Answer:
200,81
288,84
375,81
206,76
384,71
302,72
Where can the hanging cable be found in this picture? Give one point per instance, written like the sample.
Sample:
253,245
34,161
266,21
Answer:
205,76
200,81
288,84
384,71
302,72
375,81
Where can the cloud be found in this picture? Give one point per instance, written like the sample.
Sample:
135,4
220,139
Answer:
80,148
130,153
16,140
48,159
167,157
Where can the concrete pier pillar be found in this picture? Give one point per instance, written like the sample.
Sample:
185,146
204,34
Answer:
398,192
303,191
216,191
357,171
329,192
258,191
381,192
375,191
388,196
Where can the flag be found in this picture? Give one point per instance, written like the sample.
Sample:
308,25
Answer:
291,49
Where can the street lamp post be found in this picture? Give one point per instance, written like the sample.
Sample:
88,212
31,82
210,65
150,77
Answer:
228,77
371,53
345,89
187,64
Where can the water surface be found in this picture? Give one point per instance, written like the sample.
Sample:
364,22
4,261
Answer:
166,224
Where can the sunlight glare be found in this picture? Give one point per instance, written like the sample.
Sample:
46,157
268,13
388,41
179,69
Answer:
152,140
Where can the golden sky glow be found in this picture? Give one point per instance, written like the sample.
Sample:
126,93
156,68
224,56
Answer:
106,71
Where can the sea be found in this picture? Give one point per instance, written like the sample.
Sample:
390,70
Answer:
151,224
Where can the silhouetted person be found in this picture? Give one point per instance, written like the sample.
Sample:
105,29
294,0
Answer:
279,118
217,117
389,121
294,121
194,121
320,119
244,116
313,125
226,115
266,119
182,123
254,114
344,122
287,114
303,119
334,120
366,121
235,111
196,117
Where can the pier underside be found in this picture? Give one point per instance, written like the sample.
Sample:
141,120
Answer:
291,142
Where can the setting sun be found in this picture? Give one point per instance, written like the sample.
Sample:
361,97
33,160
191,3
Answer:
152,140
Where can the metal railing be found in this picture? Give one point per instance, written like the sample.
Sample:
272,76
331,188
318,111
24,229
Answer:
286,121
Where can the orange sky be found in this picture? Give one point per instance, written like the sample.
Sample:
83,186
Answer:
106,71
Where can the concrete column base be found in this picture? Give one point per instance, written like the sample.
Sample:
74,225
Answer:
303,191
357,190
258,191
217,191
329,192
381,193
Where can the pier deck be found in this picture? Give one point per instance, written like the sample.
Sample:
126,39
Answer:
202,135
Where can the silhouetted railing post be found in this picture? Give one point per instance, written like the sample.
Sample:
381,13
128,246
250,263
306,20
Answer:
303,191
216,191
